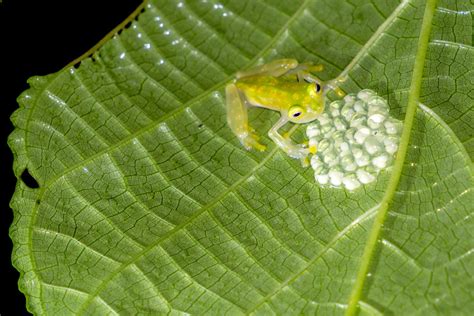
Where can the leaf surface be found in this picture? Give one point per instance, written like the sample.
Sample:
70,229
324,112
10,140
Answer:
148,204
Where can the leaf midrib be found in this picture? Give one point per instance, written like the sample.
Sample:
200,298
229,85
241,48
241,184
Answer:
412,105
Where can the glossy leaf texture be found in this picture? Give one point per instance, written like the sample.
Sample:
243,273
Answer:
147,204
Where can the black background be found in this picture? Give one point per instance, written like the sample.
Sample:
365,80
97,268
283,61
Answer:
38,38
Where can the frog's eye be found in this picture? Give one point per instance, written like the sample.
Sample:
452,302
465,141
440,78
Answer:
317,87
296,111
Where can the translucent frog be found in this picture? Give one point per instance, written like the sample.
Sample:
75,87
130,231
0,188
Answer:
282,85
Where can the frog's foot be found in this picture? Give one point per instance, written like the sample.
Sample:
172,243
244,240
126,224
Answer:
312,149
310,67
299,152
250,141
305,162
334,85
296,151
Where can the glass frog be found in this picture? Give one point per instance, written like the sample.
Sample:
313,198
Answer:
282,85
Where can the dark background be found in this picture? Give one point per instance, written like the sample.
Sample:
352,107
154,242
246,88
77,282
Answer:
38,38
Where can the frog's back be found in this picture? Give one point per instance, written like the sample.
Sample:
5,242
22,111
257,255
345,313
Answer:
270,92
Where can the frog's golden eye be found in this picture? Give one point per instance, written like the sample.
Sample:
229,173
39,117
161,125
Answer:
317,87
296,111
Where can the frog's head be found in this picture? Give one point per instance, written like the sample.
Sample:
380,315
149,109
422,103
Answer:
312,104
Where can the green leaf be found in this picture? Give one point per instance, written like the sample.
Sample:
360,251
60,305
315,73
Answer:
147,204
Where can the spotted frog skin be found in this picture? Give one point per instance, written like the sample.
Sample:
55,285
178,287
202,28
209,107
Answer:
282,85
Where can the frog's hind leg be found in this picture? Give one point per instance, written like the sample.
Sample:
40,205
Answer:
237,119
275,68
304,72
310,67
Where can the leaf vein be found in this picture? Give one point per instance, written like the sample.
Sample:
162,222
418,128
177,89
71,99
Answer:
359,220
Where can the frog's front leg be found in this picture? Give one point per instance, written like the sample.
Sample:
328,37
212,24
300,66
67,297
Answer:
293,150
304,72
237,119
334,85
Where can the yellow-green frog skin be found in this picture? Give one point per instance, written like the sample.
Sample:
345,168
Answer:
282,85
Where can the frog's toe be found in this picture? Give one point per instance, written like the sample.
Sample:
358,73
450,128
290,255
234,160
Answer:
305,162
342,79
251,142
316,68
303,152
297,152
339,92
256,145
312,148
